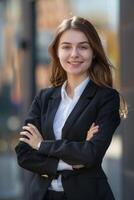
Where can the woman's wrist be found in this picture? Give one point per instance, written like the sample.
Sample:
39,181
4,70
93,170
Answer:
38,145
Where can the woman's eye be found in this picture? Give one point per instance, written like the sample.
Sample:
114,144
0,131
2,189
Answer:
83,47
65,47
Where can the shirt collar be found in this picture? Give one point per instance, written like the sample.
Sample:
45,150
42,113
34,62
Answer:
77,91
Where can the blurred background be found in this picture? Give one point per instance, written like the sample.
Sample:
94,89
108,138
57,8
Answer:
26,29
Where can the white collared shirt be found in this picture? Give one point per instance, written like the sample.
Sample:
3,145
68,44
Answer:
66,106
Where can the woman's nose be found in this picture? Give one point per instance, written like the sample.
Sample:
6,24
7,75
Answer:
74,52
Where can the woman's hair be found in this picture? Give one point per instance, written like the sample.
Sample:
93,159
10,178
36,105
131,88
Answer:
100,69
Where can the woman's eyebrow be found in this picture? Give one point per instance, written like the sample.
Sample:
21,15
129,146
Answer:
83,42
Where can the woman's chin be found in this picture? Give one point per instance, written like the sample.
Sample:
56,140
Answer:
75,73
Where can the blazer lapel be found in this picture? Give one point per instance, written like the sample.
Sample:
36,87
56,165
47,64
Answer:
53,105
83,101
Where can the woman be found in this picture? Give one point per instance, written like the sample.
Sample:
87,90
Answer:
70,125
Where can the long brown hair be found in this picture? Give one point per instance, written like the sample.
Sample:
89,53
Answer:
100,71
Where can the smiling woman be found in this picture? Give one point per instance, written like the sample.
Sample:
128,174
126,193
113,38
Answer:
100,68
70,125
75,54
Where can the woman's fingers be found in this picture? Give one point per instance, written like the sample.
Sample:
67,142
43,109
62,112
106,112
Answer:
24,140
33,136
93,124
92,132
26,133
34,128
31,128
93,129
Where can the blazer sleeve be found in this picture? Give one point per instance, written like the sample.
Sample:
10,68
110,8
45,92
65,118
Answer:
27,157
89,153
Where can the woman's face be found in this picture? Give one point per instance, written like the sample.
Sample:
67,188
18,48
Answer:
75,53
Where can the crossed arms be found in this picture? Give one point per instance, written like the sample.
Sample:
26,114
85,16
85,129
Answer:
41,158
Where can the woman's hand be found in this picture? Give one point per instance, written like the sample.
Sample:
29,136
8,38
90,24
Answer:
33,136
93,130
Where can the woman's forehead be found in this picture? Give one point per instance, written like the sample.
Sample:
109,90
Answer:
73,36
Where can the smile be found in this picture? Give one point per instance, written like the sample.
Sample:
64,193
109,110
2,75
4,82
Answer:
75,62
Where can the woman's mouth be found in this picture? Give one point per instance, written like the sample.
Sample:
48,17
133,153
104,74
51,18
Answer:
75,62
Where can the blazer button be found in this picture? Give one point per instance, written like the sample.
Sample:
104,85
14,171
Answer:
45,175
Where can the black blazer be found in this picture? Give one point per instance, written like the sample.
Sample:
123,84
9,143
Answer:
96,104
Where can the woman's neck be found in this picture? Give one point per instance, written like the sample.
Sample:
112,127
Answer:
72,83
